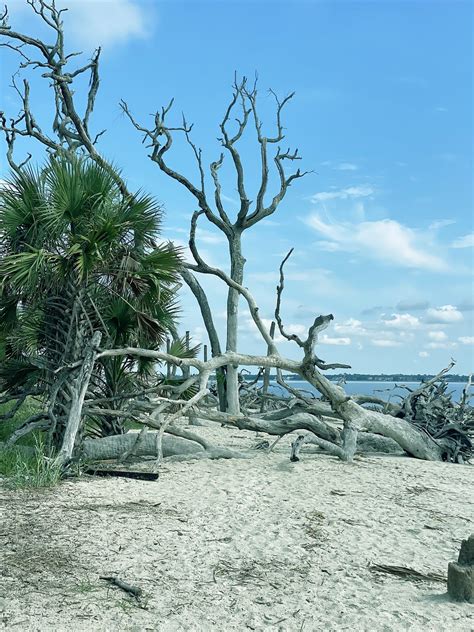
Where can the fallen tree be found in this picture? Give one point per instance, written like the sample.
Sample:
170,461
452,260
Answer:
413,439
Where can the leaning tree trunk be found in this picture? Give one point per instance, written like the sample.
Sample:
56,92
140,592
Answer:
237,275
79,390
208,321
355,417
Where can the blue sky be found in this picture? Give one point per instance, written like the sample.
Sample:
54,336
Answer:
383,228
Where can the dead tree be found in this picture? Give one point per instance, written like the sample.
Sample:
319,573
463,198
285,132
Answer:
71,128
355,418
159,139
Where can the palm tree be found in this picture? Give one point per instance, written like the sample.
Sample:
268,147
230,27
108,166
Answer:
77,257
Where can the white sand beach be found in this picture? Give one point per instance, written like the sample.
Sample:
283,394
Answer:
260,544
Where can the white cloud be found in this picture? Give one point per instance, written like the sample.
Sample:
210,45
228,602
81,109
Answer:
328,246
402,321
437,336
208,237
327,340
466,340
464,242
248,326
424,354
443,314
363,190
93,23
381,342
385,240
441,345
351,327
108,22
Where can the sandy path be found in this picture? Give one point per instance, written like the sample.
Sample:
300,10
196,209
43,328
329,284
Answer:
234,545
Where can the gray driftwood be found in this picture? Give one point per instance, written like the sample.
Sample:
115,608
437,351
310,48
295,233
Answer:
461,573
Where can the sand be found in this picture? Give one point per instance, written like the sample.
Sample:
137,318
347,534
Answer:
261,544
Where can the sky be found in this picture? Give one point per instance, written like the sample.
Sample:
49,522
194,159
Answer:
382,227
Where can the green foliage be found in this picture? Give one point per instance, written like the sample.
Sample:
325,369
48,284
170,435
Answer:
10,424
77,256
28,468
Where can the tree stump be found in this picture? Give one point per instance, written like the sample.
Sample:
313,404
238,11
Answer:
461,573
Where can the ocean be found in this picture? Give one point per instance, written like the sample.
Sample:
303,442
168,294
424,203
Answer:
385,390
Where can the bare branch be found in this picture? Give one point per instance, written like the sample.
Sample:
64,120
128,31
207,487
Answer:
320,323
279,291
70,127
229,143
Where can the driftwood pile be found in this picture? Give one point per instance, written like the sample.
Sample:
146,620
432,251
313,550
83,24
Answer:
430,409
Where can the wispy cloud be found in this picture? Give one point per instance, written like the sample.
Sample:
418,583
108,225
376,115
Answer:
382,342
441,223
328,340
231,200
441,345
467,241
466,340
411,306
438,336
346,166
248,326
208,237
340,166
385,240
349,193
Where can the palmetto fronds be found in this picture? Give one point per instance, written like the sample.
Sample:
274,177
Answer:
77,256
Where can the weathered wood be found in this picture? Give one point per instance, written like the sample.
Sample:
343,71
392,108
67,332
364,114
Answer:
128,588
461,573
113,447
466,553
79,391
461,582
266,373
143,476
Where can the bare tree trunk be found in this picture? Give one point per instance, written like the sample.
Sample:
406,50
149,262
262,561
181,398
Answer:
237,275
266,374
79,390
208,321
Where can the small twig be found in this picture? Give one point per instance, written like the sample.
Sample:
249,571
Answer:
131,590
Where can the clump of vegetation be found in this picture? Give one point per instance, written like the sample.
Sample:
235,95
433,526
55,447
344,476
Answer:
78,257
28,468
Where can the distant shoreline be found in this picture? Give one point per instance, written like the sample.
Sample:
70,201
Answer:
369,377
